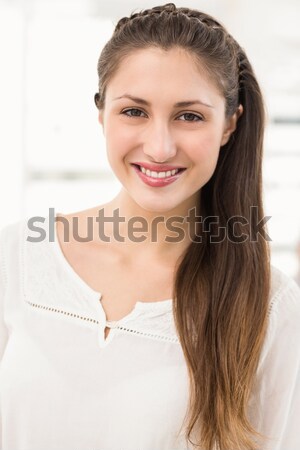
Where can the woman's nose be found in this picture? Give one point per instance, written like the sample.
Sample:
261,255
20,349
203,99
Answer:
159,144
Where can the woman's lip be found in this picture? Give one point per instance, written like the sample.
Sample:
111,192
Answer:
157,168
156,182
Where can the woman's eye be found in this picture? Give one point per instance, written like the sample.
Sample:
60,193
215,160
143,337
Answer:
190,117
134,112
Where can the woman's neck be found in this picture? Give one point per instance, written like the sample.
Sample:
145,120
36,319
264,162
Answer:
152,232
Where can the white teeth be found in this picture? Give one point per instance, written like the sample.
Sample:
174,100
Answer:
154,174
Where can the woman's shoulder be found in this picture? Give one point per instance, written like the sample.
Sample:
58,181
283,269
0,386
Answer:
15,236
284,309
283,289
34,238
10,235
10,229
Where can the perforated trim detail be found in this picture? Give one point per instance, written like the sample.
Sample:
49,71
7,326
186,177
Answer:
89,319
46,286
66,313
152,336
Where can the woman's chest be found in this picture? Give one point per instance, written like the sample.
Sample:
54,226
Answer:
120,283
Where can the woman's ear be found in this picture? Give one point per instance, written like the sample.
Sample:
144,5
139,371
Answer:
231,125
96,99
100,115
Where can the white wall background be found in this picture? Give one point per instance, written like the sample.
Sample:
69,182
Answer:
52,152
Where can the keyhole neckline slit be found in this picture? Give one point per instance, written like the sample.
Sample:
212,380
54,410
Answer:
95,295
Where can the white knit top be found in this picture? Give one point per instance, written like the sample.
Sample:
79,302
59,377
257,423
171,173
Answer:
64,387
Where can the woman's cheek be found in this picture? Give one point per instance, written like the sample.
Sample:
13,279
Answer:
205,147
206,155
117,145
123,138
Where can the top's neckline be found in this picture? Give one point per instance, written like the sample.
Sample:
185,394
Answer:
165,303
76,277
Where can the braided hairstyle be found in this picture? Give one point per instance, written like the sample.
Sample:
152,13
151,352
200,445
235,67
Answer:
153,27
221,290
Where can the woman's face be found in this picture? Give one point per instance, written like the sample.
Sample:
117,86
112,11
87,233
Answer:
144,125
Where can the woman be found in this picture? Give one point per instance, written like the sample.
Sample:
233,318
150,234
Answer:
112,336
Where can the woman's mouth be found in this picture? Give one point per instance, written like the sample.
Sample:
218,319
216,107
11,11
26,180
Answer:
157,178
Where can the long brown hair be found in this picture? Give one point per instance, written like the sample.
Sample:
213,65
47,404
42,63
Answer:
222,285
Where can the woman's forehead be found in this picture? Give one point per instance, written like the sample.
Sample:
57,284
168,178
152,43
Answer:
157,59
164,73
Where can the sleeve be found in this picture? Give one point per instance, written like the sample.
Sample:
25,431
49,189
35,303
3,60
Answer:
278,395
3,329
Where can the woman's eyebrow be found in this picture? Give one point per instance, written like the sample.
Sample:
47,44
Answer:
186,103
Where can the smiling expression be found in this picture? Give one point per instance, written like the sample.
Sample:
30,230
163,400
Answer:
164,123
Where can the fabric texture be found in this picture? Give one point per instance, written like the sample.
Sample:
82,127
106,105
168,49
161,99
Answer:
63,386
